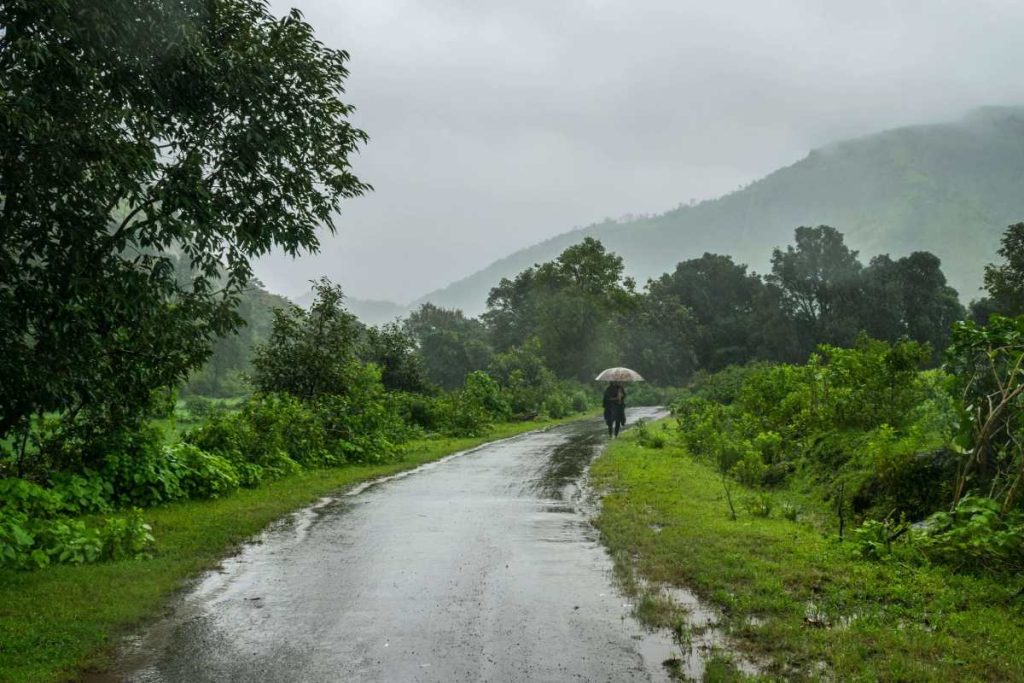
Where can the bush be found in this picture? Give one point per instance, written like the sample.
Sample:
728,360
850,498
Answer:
769,445
84,493
723,386
35,543
142,472
647,394
557,406
976,536
126,538
525,381
483,391
462,416
873,540
647,437
32,500
418,411
760,505
790,511
198,407
205,475
580,401
750,469
16,541
261,438
65,541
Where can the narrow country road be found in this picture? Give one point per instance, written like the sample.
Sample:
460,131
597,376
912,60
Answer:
481,567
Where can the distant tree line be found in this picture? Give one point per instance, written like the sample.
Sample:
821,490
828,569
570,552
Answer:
582,313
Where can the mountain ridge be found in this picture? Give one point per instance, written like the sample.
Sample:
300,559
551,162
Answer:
949,188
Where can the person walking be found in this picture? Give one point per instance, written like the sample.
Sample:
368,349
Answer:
614,407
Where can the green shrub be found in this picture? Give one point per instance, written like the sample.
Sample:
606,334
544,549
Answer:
266,433
143,473
279,433
647,437
126,538
417,411
523,377
760,505
250,475
647,394
873,540
725,385
580,401
205,475
17,541
360,427
33,544
279,423
769,445
480,389
463,417
32,500
749,469
790,511
198,407
976,536
557,405
66,541
85,493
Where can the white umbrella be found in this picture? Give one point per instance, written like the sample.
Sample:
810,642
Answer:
619,375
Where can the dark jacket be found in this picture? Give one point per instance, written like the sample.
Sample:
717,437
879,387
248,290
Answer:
615,407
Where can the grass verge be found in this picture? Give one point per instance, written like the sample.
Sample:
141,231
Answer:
818,610
62,620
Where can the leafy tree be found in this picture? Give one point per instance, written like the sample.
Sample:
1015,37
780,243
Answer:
144,139
451,345
522,373
393,349
909,298
510,314
310,354
569,304
820,281
658,339
1005,281
724,300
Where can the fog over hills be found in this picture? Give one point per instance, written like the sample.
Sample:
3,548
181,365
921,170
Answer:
949,188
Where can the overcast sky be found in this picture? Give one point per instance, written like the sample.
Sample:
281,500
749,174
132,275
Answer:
495,125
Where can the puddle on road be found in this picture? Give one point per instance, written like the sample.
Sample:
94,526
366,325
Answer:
682,653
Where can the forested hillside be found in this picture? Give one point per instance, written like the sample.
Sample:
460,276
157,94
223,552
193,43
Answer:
948,188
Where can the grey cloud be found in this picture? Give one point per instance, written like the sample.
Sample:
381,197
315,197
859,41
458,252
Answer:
495,125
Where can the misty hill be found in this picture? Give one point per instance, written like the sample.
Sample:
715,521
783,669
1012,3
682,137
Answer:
369,311
947,188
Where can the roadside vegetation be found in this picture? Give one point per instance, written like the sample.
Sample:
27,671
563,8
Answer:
57,623
858,516
788,595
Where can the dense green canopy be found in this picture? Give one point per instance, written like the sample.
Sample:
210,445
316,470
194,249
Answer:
151,148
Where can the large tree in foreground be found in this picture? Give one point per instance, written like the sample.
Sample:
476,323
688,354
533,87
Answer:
150,149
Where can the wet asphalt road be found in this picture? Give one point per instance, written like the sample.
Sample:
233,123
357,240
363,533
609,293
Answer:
481,567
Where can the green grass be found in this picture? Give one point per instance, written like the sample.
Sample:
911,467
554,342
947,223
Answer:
815,601
60,621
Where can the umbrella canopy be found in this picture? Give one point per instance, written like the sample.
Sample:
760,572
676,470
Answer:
619,375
